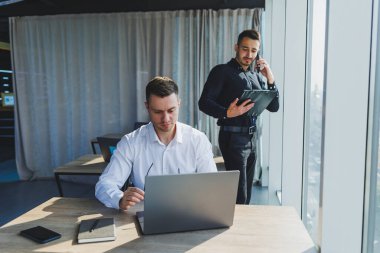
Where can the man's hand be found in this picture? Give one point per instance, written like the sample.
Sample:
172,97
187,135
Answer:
131,197
265,69
237,110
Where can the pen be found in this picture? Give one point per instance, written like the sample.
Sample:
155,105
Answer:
94,225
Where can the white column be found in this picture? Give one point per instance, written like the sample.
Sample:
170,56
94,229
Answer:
347,74
274,53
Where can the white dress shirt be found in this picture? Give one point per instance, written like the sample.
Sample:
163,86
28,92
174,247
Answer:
141,153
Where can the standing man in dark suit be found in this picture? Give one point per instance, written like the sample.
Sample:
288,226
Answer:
224,85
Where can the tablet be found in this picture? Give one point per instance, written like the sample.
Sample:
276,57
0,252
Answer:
261,98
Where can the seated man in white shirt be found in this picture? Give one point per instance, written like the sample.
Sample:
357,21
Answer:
164,146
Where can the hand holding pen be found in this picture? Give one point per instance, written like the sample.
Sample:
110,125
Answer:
131,197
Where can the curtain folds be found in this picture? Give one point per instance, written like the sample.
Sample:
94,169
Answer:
81,76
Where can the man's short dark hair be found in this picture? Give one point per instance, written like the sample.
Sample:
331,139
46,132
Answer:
161,86
252,34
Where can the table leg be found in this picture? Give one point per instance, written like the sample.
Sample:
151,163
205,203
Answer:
58,184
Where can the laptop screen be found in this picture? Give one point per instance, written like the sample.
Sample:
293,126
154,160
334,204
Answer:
107,144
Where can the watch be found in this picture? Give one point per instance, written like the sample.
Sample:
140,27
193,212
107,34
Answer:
272,86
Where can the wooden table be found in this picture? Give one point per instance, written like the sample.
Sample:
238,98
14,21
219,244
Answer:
85,165
219,161
256,229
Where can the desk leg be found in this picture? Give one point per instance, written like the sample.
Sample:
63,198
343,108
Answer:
58,184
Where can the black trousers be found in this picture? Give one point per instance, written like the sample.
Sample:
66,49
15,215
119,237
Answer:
238,151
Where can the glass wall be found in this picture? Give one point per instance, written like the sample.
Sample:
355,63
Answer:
372,213
313,117
375,219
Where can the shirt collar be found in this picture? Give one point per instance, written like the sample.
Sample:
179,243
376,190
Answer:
233,62
177,138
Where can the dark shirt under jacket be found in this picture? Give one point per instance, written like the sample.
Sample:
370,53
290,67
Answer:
225,83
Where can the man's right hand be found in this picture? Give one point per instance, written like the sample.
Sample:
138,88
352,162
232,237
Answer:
235,110
131,197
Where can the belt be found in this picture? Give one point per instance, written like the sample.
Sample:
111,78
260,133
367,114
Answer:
237,129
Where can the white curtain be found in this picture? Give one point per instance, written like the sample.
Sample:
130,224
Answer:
81,76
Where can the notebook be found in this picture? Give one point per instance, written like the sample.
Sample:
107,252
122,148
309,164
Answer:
96,230
107,144
184,202
261,98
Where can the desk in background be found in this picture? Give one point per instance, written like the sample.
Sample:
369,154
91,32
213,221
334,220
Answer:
94,165
84,165
256,229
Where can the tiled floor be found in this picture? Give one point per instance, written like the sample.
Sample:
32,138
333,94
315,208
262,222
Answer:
18,197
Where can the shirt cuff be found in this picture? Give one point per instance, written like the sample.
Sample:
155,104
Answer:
272,86
116,199
225,114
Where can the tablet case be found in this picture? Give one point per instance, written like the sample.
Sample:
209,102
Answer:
261,98
40,234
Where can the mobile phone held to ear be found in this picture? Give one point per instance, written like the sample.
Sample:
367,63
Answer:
40,234
257,67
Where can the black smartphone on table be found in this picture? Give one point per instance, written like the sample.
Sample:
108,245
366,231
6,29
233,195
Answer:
40,234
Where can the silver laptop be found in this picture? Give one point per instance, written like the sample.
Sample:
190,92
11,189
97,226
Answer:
184,202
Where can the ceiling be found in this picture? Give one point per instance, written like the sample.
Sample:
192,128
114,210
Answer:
10,8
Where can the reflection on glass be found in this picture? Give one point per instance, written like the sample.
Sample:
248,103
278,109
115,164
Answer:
313,120
371,236
376,240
